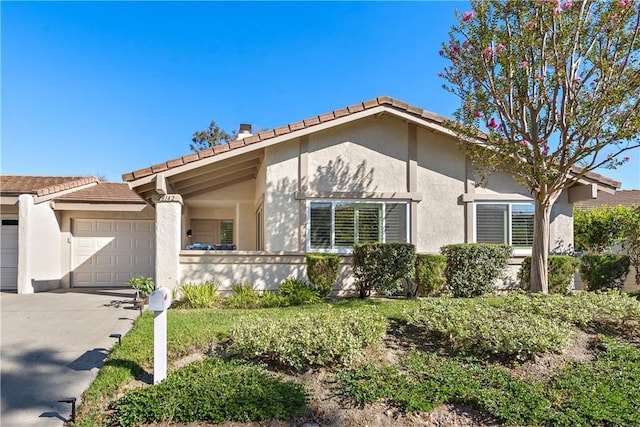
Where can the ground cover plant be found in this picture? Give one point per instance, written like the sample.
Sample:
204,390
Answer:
413,374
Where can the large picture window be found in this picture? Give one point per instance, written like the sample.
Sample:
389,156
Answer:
509,223
335,226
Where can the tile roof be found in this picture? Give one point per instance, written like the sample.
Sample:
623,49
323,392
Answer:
385,101
620,197
14,185
104,192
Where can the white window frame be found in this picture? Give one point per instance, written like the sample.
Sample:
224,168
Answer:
519,251
338,202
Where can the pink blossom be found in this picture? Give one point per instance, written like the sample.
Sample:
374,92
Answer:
530,25
524,143
465,45
556,10
492,124
441,52
499,48
477,114
577,79
488,52
440,75
523,64
476,86
626,158
467,16
566,5
624,3
539,77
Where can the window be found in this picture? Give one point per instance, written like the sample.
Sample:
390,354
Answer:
259,229
509,223
226,232
335,226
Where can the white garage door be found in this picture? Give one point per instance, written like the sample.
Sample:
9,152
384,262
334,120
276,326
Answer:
110,252
9,254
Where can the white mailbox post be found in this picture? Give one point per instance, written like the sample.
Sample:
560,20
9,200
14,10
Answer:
159,302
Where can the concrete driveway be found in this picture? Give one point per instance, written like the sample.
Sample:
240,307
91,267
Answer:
52,346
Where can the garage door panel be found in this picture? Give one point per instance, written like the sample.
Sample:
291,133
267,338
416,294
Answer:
9,254
118,251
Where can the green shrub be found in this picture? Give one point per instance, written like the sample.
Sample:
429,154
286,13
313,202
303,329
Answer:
561,269
474,325
296,292
199,295
473,268
213,391
604,271
271,299
142,284
306,339
244,296
380,266
322,270
430,273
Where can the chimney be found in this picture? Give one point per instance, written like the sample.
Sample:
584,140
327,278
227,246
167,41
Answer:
244,131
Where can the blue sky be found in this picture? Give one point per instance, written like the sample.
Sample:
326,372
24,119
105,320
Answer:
107,88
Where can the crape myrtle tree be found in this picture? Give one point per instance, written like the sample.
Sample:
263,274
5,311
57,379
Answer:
555,88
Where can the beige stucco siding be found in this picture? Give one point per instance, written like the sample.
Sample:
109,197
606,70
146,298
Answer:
281,209
370,155
500,184
561,228
441,174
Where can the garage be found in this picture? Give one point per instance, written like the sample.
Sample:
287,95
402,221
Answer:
9,254
108,252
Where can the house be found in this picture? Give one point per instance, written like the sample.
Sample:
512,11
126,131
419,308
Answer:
72,231
381,170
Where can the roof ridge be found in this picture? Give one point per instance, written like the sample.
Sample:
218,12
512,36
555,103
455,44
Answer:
67,185
386,101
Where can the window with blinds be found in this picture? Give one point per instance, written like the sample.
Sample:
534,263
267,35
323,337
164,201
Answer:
338,225
226,232
507,223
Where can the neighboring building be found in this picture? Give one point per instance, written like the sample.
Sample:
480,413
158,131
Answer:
381,170
72,231
629,198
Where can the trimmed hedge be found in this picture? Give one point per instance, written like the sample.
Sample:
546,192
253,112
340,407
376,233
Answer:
473,268
604,271
322,270
379,266
430,276
561,269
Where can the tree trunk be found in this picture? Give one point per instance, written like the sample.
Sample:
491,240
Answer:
540,250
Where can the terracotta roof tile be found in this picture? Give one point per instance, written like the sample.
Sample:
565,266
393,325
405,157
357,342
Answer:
266,134
206,153
14,185
355,108
252,139
236,144
296,126
324,118
175,163
221,148
311,121
190,158
103,192
281,130
621,197
159,167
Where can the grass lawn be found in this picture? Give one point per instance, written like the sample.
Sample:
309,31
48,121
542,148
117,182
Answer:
514,361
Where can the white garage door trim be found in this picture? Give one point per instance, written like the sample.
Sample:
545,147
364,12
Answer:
106,253
9,254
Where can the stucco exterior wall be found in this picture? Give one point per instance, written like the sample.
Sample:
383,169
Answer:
39,236
561,228
280,207
441,174
370,155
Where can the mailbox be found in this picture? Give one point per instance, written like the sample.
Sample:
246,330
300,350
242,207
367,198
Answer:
160,299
